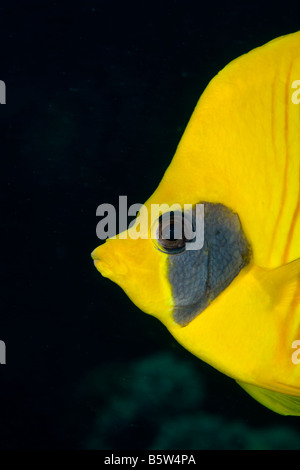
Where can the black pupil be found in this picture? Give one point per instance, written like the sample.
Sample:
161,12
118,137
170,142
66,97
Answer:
171,232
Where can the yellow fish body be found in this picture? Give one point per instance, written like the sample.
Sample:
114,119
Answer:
240,157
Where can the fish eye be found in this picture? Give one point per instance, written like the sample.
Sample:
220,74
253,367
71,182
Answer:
173,231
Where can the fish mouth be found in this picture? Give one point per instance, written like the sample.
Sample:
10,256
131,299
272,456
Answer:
107,264
101,265
95,257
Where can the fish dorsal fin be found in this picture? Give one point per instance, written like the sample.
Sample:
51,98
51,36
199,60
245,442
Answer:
275,401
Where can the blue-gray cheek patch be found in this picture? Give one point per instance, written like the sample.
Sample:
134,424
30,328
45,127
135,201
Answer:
198,277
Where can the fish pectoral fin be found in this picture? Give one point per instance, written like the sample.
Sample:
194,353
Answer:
289,272
275,401
287,282
282,284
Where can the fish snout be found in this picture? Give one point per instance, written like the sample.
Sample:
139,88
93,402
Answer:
108,261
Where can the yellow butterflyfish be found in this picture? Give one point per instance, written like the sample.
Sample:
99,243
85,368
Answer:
232,299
